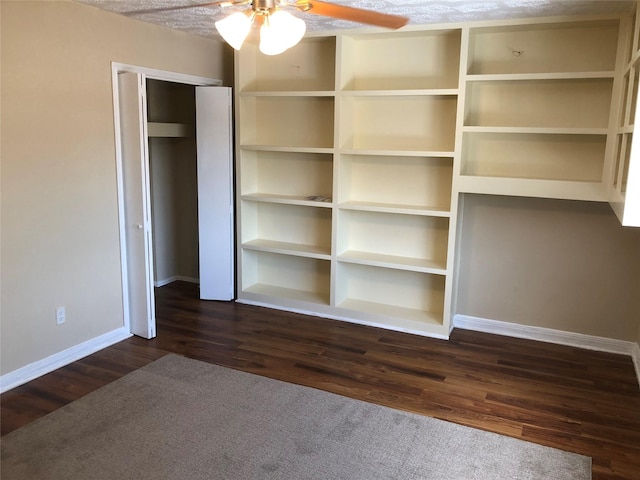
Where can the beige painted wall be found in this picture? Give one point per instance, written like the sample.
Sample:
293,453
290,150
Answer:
58,192
550,263
638,317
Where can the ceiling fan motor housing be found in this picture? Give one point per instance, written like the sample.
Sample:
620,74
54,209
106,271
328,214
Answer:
264,5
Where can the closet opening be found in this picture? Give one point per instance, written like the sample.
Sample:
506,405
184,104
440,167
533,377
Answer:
175,187
173,179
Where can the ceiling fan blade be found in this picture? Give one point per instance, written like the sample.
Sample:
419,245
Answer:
219,3
352,14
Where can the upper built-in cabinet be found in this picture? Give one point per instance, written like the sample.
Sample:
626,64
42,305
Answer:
625,175
538,101
308,67
564,48
401,61
399,91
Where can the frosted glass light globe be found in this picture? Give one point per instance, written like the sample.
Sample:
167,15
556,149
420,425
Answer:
234,29
280,31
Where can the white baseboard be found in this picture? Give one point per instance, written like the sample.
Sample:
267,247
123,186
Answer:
47,365
550,335
635,356
167,281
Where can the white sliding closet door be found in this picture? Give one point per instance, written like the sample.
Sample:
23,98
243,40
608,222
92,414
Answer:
139,303
215,192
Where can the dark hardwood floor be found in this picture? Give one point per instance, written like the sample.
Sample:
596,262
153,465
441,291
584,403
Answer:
577,400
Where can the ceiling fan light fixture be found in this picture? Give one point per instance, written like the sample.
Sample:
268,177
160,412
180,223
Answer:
280,31
235,28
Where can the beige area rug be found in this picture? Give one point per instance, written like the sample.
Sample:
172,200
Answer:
184,419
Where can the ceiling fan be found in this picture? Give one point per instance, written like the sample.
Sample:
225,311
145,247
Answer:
279,29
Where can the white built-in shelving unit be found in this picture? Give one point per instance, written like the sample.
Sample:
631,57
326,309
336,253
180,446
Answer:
538,101
625,172
352,150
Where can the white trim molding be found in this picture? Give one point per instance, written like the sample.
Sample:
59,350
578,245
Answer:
47,365
165,75
635,356
146,73
176,278
580,340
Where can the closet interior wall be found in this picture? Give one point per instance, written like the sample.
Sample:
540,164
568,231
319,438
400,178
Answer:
173,180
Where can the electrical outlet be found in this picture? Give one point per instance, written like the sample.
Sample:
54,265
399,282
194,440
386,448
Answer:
60,315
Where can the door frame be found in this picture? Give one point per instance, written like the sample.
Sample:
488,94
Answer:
146,73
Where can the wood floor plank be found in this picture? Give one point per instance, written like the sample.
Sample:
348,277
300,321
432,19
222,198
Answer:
578,400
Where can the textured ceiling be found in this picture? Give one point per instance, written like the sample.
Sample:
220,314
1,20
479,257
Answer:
199,20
